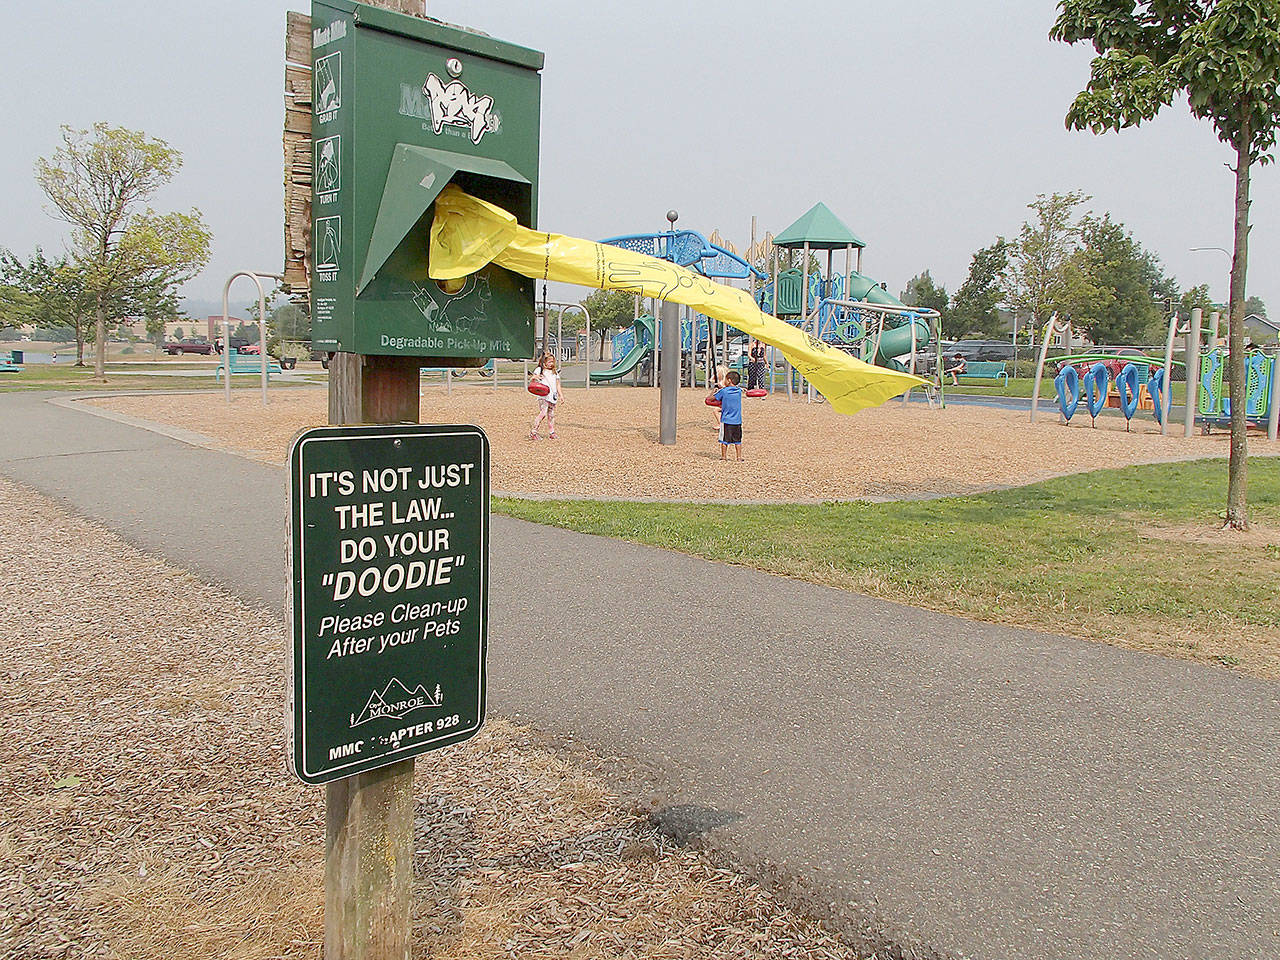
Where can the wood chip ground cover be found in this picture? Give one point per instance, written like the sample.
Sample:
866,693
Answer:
795,452
148,813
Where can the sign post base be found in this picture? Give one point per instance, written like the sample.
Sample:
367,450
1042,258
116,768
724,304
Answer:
369,864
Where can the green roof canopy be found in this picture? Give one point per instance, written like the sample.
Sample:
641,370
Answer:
821,229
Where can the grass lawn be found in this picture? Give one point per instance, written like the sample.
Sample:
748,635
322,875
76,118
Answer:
66,376
1131,556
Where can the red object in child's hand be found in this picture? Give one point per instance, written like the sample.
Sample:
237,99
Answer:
712,402
539,389
757,393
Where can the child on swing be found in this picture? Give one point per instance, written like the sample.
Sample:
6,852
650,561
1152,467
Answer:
547,372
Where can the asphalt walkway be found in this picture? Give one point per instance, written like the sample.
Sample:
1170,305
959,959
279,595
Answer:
947,787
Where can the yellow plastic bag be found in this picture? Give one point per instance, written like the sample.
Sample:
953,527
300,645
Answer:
468,232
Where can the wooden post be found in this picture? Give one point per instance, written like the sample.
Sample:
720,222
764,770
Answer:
1191,364
368,869
373,389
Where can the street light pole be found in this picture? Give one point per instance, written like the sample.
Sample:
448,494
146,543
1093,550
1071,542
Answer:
1230,259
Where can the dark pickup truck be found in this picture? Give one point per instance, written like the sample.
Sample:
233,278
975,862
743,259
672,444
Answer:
188,346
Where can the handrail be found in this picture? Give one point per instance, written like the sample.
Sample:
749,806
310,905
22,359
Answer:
256,276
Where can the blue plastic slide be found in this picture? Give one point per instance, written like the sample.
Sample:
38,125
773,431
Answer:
642,347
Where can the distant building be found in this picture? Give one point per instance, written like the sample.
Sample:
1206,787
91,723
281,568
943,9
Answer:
134,327
1259,329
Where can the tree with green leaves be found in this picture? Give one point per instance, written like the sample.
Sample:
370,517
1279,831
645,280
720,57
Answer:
1254,307
1131,282
1224,56
921,291
98,182
1196,297
610,310
289,321
55,291
975,307
1081,296
1045,275
16,305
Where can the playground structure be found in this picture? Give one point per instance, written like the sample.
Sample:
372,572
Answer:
870,323
849,310
1262,382
468,233
638,344
630,349
1110,377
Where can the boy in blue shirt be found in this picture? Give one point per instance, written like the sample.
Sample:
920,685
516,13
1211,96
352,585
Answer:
730,397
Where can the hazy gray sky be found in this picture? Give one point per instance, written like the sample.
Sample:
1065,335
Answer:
927,125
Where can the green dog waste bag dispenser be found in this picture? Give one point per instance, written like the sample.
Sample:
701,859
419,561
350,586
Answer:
402,107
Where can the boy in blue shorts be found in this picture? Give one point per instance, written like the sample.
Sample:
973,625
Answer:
730,397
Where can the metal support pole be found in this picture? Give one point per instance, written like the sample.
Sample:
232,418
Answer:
587,377
804,299
786,364
1044,352
262,339
1191,356
670,370
936,335
693,345
1273,414
226,347
653,366
1166,401
848,272
262,327
1015,346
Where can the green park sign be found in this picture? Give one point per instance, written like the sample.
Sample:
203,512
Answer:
403,106
389,554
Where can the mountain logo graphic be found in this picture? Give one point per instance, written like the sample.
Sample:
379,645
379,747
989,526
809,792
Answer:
396,701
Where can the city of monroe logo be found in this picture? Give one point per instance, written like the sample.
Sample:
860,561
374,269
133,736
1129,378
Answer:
396,701
452,104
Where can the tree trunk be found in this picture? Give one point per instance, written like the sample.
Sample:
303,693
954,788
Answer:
1237,467
79,341
100,342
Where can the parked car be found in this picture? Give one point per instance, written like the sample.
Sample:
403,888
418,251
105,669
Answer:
188,346
237,343
253,349
979,350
